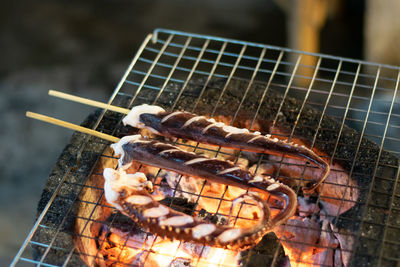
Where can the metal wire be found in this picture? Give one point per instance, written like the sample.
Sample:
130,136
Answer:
167,57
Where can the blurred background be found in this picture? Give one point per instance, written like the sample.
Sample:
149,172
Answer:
84,47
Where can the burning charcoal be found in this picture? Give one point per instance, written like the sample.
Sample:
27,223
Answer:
180,262
213,218
324,253
179,204
299,236
346,242
122,223
186,187
264,252
306,207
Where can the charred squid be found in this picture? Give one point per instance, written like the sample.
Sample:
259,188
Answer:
185,125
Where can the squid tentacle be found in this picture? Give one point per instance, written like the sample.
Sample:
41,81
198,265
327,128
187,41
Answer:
170,157
190,126
127,192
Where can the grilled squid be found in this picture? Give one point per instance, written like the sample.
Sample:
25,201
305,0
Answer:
129,194
166,156
185,125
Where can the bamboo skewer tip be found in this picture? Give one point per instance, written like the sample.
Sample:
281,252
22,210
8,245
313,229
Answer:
86,101
71,126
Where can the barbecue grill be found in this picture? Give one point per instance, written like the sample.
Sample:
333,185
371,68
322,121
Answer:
176,70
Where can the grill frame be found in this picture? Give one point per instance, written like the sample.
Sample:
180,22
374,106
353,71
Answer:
161,40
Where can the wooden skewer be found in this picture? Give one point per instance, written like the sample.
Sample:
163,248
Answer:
88,102
71,126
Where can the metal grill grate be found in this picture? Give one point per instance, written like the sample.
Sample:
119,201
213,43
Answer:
358,94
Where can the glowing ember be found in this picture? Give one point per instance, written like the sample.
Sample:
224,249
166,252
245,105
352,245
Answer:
121,249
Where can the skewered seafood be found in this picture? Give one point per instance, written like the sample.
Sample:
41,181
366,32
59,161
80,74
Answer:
190,126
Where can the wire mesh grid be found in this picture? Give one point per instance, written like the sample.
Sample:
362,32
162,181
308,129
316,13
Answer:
358,94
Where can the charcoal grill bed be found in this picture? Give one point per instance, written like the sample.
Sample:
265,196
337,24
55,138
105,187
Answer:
285,100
